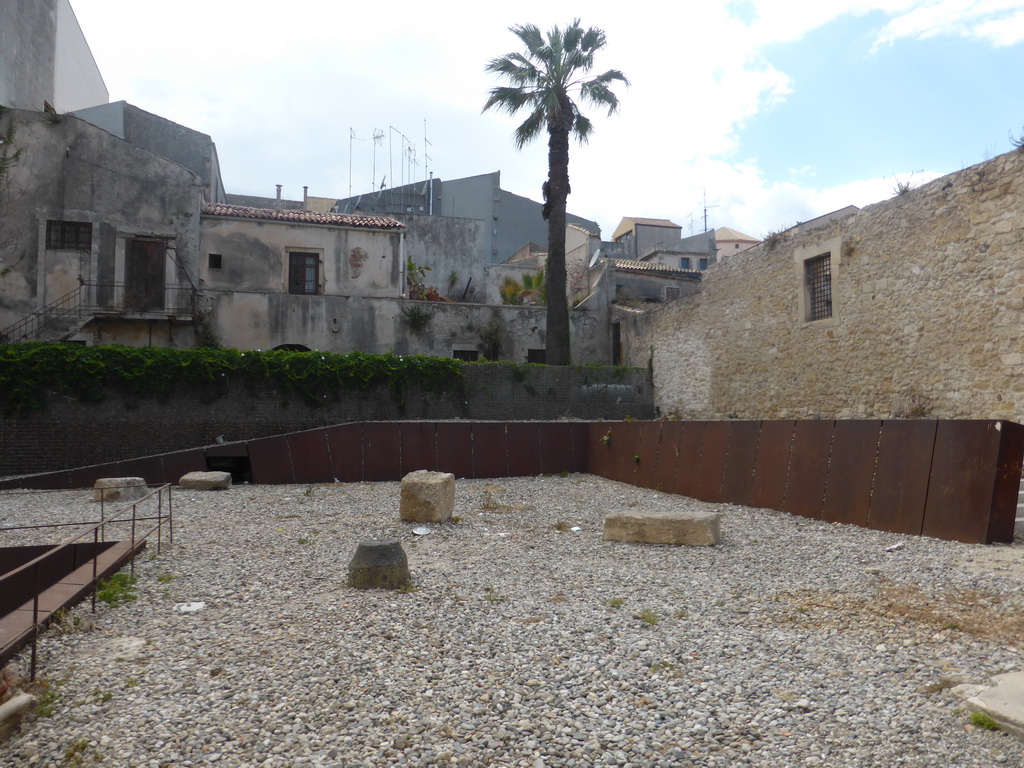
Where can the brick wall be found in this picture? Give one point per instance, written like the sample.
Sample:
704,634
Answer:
928,303
71,434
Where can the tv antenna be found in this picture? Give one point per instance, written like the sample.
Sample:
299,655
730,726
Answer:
351,137
706,206
378,139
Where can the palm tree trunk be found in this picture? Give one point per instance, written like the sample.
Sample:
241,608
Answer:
557,341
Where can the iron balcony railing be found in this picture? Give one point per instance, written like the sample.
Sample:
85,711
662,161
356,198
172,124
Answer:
91,299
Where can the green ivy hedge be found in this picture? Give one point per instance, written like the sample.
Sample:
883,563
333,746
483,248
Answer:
28,372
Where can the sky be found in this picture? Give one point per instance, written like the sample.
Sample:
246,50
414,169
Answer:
750,114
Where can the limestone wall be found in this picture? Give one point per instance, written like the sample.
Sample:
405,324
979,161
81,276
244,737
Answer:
928,314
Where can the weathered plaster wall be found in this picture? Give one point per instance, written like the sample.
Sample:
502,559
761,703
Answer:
254,256
28,38
929,315
248,320
71,170
446,245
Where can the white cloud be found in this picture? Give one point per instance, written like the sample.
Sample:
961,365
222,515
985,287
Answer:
998,22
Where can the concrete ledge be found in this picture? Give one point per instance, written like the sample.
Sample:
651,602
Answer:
206,481
119,489
678,527
1003,702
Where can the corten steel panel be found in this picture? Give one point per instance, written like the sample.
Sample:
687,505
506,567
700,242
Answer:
714,450
738,478
1008,469
650,447
490,450
771,469
962,490
180,463
54,481
599,452
86,477
900,487
555,447
231,450
149,468
808,468
382,447
668,449
690,447
270,461
523,441
455,448
579,440
622,446
311,460
345,443
419,446
851,470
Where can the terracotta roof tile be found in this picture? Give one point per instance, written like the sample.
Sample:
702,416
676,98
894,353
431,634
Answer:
302,217
633,265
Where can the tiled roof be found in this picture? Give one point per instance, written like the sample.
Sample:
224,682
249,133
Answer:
302,217
727,233
580,229
632,265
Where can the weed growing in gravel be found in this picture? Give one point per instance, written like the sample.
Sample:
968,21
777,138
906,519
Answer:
682,613
303,540
46,697
615,602
75,753
166,578
119,588
490,504
131,682
562,526
647,616
493,597
103,696
981,720
408,589
309,491
940,685
667,668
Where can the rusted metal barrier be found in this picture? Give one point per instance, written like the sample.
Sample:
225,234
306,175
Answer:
53,577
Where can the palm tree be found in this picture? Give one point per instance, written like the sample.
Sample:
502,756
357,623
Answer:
542,80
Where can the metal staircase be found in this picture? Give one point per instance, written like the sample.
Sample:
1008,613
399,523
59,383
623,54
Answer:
51,323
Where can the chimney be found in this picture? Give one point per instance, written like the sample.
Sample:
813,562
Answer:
305,198
277,205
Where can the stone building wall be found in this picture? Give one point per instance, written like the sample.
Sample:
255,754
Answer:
928,314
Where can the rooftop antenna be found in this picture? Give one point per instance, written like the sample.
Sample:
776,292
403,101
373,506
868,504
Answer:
426,158
378,139
706,206
351,137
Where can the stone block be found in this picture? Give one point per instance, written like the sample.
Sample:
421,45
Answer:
427,497
206,481
379,564
664,527
119,489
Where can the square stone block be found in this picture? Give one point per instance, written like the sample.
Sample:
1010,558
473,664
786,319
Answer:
119,489
675,527
427,497
206,481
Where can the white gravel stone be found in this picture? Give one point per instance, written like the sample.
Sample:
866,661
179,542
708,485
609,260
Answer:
790,643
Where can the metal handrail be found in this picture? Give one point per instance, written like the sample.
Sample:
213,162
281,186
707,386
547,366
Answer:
92,298
96,528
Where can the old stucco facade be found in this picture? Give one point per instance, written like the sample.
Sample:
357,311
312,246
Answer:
927,314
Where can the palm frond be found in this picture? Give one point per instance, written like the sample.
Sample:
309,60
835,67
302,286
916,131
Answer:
530,129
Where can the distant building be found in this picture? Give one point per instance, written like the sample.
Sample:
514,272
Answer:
729,241
44,58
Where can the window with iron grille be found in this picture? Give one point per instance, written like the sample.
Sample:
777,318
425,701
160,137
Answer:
71,235
304,273
818,278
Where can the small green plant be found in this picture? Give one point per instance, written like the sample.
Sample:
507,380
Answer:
607,439
647,616
940,685
46,698
682,613
309,491
75,753
417,318
493,597
636,458
103,696
131,682
982,720
166,578
456,518
303,540
615,602
118,589
669,668
408,588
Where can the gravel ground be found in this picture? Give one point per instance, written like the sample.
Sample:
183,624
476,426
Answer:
792,643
